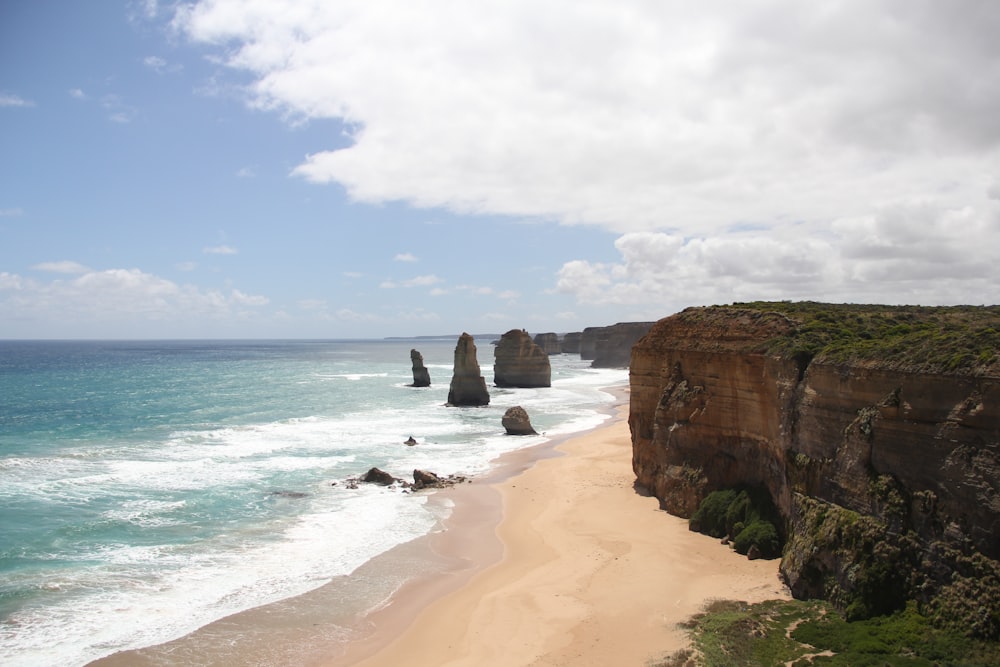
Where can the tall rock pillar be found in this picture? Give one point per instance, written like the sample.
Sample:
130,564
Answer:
468,387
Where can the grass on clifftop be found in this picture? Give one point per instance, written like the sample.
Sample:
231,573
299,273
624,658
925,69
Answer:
928,339
799,633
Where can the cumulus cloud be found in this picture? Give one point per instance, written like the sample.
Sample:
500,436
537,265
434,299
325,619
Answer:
405,257
114,296
903,254
631,115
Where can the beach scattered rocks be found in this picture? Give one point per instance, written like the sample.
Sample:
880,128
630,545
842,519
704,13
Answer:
410,441
516,422
380,477
422,479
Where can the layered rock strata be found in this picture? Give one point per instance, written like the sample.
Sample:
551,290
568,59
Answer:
883,463
548,342
519,362
611,346
468,387
421,376
571,342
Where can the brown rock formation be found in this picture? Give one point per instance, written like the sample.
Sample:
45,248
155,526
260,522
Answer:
571,342
864,455
611,346
468,387
516,422
519,362
549,342
421,376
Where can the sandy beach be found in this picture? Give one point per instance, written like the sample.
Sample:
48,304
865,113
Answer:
592,573
553,559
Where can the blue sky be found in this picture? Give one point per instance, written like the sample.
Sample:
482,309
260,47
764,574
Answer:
368,169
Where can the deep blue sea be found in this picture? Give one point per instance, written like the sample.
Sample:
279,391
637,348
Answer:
148,488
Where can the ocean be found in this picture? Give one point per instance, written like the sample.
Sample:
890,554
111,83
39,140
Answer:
148,488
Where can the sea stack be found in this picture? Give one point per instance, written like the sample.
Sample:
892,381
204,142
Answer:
549,342
468,387
520,363
421,377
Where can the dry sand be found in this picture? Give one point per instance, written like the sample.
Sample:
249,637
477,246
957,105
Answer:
592,573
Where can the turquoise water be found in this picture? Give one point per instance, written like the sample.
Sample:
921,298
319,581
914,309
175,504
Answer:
148,488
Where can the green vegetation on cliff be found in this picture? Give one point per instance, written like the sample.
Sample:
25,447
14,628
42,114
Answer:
747,516
926,339
812,633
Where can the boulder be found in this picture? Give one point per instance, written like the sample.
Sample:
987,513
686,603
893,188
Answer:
421,376
549,342
376,476
519,362
516,421
423,479
468,387
410,441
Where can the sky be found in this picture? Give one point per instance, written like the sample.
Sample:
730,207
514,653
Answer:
370,168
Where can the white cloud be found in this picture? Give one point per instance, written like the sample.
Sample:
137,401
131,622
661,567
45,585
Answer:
61,267
405,257
220,250
77,94
246,172
904,254
115,296
160,65
9,100
186,266
631,115
418,281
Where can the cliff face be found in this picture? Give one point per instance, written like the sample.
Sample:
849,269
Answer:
519,362
549,342
868,461
611,346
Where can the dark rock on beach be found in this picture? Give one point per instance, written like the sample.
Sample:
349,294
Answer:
516,422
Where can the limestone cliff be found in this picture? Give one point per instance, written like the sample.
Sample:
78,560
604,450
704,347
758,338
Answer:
875,430
549,342
571,342
468,387
611,346
519,362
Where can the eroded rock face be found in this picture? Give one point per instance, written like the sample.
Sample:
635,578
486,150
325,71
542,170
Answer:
516,421
549,342
913,457
571,342
519,362
421,376
611,346
468,387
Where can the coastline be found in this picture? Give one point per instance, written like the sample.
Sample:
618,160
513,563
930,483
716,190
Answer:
551,558
592,573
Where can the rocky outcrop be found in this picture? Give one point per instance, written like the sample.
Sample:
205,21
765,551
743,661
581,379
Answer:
611,347
882,457
421,376
548,342
571,342
468,387
519,362
377,476
516,422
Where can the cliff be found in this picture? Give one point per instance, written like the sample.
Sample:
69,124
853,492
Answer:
611,346
875,431
549,342
519,362
468,387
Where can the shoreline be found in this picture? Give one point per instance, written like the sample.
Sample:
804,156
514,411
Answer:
552,558
593,572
